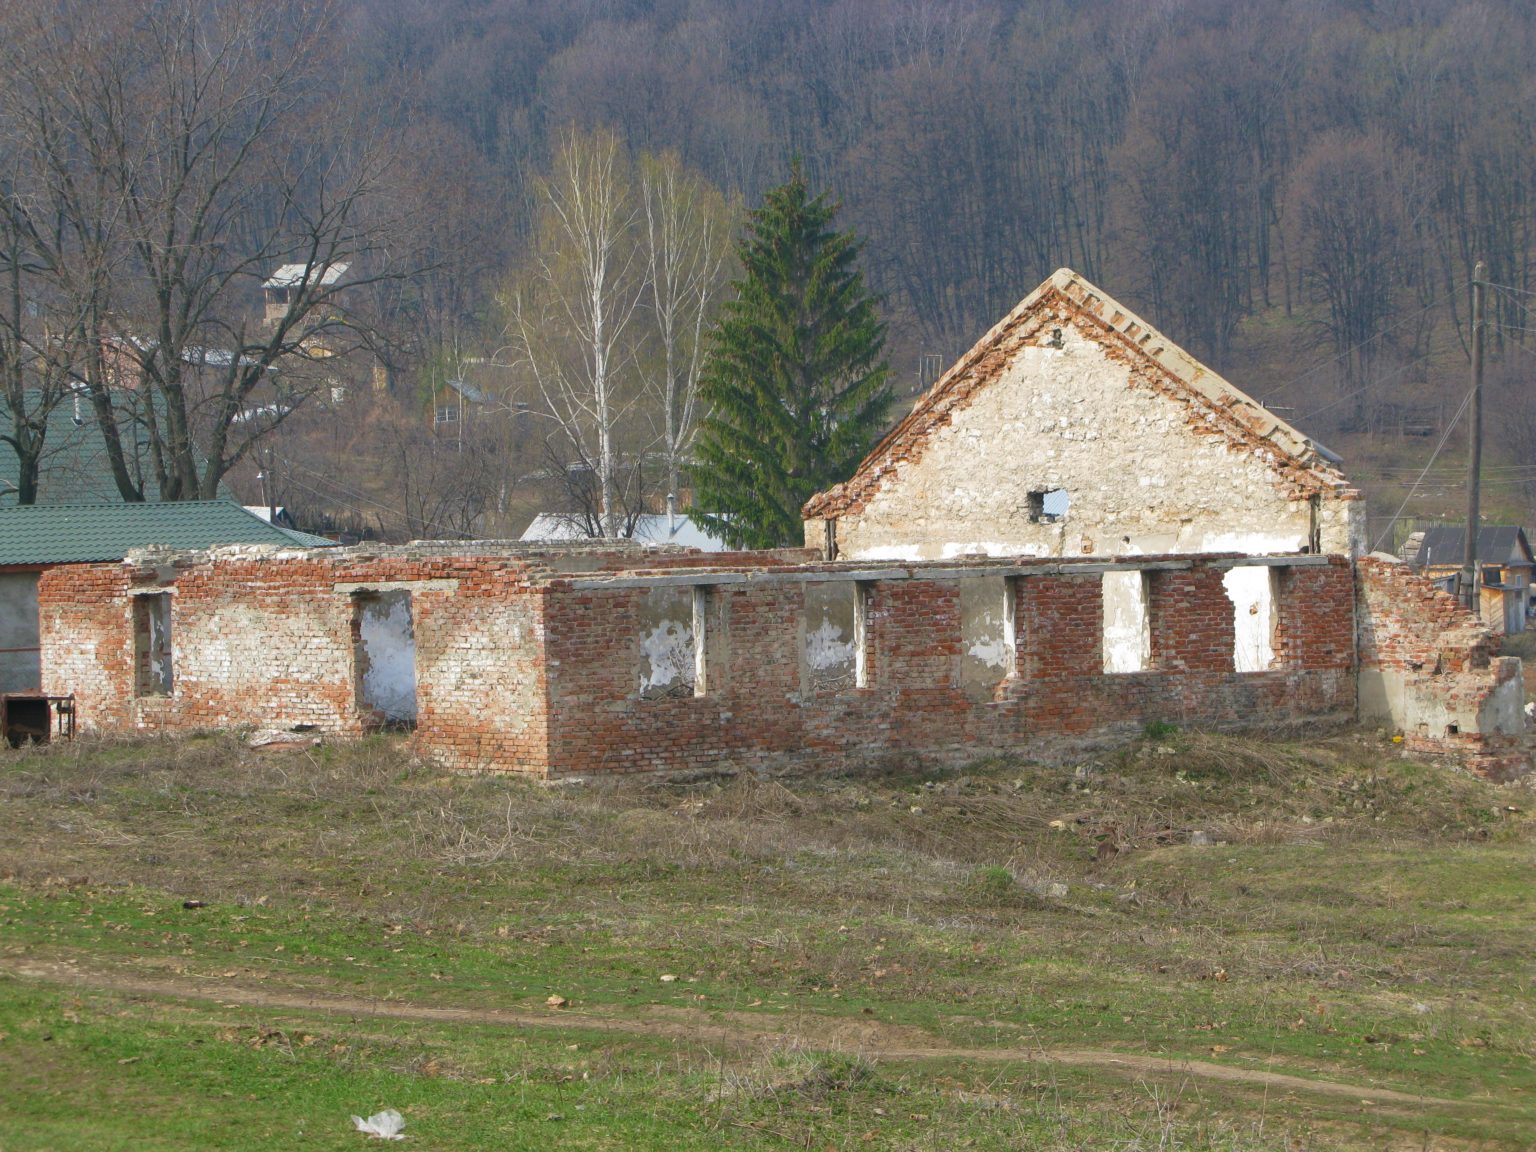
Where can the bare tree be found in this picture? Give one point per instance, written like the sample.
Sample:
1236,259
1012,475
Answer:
688,230
189,150
1357,203
569,315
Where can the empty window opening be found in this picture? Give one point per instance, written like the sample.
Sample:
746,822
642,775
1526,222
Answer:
1252,592
384,658
152,644
988,647
1048,506
863,595
672,634
1127,622
835,623
21,667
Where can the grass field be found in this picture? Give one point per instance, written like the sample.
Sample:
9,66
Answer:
1192,942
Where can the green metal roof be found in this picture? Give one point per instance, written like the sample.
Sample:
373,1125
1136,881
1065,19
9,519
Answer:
74,468
81,533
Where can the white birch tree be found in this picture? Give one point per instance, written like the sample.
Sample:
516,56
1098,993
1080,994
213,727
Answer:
569,316
688,230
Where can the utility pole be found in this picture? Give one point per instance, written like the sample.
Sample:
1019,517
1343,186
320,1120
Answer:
1469,596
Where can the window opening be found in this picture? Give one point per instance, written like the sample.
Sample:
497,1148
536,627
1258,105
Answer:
1251,589
1127,622
671,643
834,634
152,644
1048,506
988,646
862,594
384,658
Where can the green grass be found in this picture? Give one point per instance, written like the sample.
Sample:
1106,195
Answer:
790,963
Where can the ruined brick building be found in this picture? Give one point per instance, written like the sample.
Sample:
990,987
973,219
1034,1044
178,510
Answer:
1078,531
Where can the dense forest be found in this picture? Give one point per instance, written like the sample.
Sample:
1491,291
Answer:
1297,191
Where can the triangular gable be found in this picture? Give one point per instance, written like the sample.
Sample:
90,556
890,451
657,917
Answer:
1214,405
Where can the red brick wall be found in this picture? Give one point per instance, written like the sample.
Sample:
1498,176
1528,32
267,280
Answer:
759,712
265,641
531,662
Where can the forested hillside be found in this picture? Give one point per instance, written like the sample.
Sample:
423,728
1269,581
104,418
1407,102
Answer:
1296,191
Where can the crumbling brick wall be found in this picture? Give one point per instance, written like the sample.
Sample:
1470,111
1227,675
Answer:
761,709
1428,670
265,639
578,662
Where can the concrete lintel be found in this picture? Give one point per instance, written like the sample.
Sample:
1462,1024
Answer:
671,580
1118,566
1299,560
347,588
931,570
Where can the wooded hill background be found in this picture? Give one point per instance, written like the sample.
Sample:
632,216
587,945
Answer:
1296,191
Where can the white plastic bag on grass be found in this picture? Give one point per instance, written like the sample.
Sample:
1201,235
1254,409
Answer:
384,1125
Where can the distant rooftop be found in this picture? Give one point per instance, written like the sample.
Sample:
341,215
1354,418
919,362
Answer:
292,275
1445,544
103,532
556,527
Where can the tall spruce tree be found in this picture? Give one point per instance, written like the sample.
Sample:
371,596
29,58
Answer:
795,382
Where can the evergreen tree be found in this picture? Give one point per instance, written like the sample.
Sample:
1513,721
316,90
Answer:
795,382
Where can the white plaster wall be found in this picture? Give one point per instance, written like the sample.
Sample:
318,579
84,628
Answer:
1139,479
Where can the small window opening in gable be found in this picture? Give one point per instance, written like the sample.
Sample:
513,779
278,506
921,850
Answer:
834,652
672,629
152,644
1127,622
1251,588
988,644
1048,506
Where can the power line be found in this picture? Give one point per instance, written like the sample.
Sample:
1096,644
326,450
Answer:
1387,379
1446,435
1316,368
393,511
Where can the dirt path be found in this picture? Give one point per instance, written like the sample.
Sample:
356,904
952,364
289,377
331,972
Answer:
872,1038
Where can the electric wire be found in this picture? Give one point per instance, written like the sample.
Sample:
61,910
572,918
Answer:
355,495
1353,348
1446,435
1387,379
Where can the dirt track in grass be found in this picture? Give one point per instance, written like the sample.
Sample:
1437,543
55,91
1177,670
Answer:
871,1038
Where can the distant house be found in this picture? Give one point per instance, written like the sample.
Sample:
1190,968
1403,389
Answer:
279,289
35,538
650,528
1504,561
456,404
